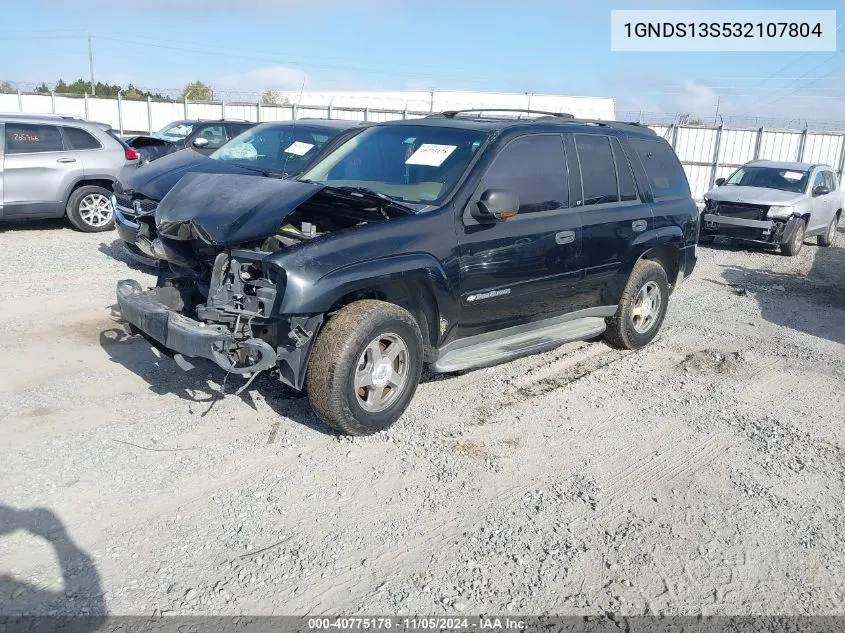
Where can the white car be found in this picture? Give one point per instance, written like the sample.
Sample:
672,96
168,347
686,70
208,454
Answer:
775,203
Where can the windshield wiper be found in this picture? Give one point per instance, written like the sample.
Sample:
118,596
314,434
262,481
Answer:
364,192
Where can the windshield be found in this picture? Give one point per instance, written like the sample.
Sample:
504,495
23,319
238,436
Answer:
175,131
285,148
410,163
793,180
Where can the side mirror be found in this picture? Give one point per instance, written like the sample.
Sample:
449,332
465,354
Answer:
821,190
200,141
495,205
720,182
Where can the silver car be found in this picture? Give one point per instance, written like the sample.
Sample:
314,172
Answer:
51,166
775,203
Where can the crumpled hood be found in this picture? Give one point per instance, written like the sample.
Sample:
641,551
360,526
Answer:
229,209
754,195
154,180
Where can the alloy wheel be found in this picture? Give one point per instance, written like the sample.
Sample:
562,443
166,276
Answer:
646,309
381,373
95,210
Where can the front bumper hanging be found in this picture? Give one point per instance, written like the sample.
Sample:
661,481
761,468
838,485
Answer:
153,312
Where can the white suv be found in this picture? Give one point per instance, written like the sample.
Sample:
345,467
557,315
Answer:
53,165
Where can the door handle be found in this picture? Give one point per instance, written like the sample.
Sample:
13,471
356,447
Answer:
565,237
639,225
65,160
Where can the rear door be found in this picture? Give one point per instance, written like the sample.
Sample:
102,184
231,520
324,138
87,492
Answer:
613,213
524,268
36,170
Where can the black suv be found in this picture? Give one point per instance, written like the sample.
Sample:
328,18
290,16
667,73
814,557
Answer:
455,241
203,136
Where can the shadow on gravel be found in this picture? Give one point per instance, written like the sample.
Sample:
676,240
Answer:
81,593
164,376
813,303
116,250
35,225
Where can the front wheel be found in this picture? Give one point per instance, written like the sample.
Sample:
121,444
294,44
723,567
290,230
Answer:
89,209
365,367
793,246
642,307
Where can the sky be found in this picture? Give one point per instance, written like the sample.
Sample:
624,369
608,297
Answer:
535,46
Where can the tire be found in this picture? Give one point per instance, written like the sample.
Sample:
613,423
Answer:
348,352
89,209
829,236
793,246
627,329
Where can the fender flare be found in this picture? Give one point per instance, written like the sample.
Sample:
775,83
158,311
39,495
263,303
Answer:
321,295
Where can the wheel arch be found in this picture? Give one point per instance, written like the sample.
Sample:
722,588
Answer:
414,281
106,182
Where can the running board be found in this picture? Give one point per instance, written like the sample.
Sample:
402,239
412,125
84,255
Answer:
518,344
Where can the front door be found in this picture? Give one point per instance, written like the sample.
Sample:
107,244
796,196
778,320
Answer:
36,170
524,268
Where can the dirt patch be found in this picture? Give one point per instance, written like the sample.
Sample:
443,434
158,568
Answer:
710,361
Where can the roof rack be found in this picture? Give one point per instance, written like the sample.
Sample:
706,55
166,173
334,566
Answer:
451,114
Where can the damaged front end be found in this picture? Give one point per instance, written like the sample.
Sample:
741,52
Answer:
234,327
218,297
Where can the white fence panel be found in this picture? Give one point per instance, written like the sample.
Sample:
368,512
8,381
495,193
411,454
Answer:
37,104
242,111
696,145
70,105
9,103
737,147
780,146
165,112
134,115
103,110
823,148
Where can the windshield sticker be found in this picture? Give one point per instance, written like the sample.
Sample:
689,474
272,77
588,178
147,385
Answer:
793,175
299,148
431,154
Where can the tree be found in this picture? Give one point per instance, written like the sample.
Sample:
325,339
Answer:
6,86
696,122
43,88
197,91
274,97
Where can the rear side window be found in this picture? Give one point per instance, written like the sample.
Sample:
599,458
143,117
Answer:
664,171
598,171
80,139
533,168
627,188
24,138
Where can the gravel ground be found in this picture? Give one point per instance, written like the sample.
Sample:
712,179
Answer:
703,474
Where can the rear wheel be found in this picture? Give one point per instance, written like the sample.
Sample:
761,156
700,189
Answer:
793,246
365,367
830,235
89,209
642,307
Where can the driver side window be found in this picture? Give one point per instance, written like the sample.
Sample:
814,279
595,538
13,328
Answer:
534,169
818,181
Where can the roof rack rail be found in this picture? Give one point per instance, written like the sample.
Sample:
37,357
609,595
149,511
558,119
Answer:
451,114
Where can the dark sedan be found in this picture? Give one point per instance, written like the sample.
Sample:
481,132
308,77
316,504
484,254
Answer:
277,150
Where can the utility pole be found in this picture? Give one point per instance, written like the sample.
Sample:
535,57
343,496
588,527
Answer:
91,66
716,117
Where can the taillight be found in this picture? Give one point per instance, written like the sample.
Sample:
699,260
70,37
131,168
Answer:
131,154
